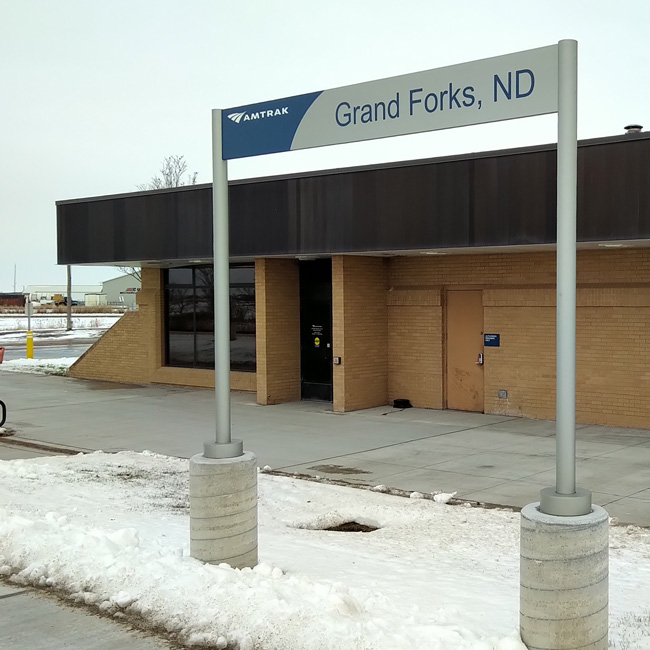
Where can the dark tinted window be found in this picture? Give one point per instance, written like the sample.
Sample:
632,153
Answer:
179,276
189,308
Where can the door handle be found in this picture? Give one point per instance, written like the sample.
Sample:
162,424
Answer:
480,359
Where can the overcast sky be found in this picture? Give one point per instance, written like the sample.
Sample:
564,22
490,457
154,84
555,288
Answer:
93,95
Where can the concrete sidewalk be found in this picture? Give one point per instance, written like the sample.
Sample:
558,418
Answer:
487,458
31,619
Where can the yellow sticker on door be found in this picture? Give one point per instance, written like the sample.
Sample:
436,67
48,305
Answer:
316,342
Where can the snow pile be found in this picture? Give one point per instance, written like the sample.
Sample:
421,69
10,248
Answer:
39,366
112,531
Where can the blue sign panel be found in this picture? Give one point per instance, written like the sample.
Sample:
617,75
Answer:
499,88
492,340
267,127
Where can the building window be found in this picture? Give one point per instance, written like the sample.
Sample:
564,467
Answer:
189,317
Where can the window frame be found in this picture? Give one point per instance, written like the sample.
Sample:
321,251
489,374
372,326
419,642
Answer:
195,286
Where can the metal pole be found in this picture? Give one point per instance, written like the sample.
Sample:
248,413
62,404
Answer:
29,343
554,501
224,446
69,310
567,161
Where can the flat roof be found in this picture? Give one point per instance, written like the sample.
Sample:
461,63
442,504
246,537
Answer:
624,137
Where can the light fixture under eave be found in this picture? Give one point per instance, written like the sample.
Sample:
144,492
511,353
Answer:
613,245
433,253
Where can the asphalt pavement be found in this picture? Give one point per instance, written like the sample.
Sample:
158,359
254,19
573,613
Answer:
49,350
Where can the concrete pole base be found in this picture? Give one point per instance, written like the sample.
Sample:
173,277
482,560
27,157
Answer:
564,580
223,510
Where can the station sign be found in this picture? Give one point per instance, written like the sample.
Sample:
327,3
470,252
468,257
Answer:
522,84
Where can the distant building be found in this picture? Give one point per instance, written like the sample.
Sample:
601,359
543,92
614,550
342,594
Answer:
95,300
12,300
121,290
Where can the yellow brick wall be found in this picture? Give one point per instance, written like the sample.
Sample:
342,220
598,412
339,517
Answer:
360,332
415,346
613,331
132,350
117,356
388,327
203,378
613,365
524,364
277,304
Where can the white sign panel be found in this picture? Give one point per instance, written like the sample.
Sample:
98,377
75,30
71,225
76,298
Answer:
506,87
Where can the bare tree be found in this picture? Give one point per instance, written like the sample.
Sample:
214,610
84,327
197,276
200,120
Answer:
134,271
172,170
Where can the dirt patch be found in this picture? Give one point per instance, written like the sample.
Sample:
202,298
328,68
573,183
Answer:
95,384
338,469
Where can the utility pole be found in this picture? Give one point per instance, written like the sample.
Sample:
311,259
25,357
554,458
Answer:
69,301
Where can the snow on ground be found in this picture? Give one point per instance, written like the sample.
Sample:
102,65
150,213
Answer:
7,338
52,329
38,366
79,322
111,530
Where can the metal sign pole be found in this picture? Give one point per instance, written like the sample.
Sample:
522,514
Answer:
565,499
29,343
224,446
223,480
564,540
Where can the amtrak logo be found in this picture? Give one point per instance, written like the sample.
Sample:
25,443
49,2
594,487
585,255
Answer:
236,117
245,116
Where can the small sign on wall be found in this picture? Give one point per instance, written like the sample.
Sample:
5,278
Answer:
492,340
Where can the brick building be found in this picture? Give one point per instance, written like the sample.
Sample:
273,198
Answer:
362,286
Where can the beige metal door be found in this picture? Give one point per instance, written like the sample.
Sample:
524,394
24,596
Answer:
465,350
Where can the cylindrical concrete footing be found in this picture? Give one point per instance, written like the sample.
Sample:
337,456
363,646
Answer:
564,578
223,510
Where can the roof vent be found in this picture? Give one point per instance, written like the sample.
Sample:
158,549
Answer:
633,128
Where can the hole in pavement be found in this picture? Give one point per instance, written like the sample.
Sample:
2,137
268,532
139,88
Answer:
334,521
352,527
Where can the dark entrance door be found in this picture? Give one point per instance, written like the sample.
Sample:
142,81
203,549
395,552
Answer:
316,329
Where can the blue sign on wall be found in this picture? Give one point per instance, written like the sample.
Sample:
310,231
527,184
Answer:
492,340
